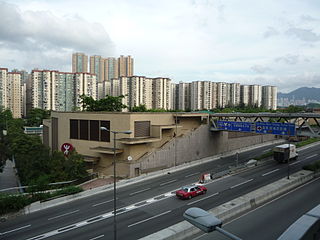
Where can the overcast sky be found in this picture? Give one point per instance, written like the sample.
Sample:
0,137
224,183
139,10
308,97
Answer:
265,42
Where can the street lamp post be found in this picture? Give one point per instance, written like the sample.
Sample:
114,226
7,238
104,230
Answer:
114,177
206,221
288,166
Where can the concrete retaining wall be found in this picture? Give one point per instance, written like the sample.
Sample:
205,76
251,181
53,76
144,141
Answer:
237,206
199,143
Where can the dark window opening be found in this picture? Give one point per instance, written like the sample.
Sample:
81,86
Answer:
105,135
84,130
94,130
74,129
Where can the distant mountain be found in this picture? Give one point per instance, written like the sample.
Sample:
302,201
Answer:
302,93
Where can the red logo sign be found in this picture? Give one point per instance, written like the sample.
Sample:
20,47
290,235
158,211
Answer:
66,148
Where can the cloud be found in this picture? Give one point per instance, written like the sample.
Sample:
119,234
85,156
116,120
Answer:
43,39
292,82
270,32
308,18
260,69
306,35
288,59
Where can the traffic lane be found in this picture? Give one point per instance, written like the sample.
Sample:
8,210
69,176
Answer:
146,214
65,218
269,221
152,218
231,187
125,221
50,218
150,212
72,209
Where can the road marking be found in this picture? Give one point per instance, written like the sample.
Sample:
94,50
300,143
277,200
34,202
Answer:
203,198
242,183
165,183
312,156
265,174
100,236
192,174
266,150
62,215
149,218
16,229
143,190
294,163
97,204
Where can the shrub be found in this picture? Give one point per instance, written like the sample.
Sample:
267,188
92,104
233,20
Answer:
11,203
315,167
265,155
306,142
68,190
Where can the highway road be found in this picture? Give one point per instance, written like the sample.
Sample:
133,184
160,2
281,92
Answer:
271,220
148,206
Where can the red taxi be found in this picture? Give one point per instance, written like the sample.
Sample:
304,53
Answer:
189,192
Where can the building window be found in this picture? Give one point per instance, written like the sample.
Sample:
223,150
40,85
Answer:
141,128
89,130
84,129
94,130
74,129
105,135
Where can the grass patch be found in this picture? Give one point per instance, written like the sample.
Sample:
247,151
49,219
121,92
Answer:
315,167
265,155
13,203
306,142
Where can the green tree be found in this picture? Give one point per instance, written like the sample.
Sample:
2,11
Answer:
5,120
109,104
67,168
140,108
32,157
293,109
35,117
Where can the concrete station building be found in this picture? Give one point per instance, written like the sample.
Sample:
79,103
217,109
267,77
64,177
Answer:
158,140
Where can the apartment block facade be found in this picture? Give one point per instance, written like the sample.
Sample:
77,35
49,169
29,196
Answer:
79,62
269,97
3,87
11,92
61,91
15,95
184,96
97,66
199,95
161,93
106,69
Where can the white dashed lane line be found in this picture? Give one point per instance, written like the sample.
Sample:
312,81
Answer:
212,195
165,183
191,174
16,229
275,170
97,204
295,163
145,220
314,155
97,237
143,190
62,215
241,183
